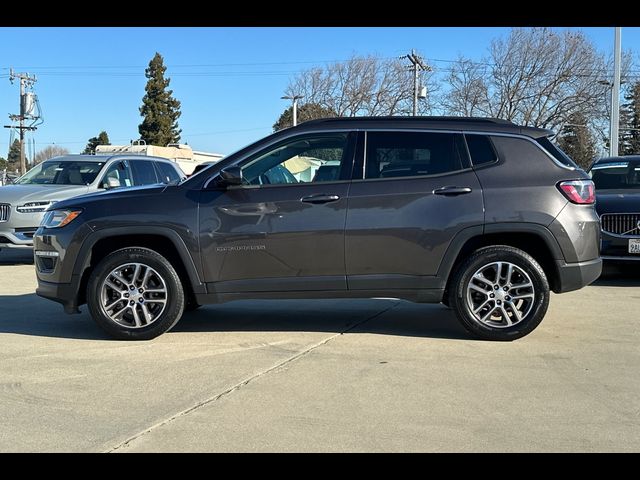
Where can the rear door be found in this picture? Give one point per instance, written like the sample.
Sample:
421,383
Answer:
414,193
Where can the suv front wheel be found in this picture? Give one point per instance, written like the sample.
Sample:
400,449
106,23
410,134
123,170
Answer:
135,294
499,293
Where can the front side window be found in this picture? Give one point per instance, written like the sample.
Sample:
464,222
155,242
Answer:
411,154
54,172
117,175
309,159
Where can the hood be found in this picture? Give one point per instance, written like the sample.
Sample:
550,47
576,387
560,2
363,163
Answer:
107,195
617,201
19,194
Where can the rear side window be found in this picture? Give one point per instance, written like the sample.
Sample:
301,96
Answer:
556,152
143,172
411,154
167,173
480,149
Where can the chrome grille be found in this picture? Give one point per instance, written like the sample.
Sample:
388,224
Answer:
621,223
5,208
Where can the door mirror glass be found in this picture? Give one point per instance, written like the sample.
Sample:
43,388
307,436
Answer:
111,182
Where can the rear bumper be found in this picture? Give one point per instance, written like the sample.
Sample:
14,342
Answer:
577,275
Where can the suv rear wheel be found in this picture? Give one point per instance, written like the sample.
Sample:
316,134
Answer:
135,294
499,293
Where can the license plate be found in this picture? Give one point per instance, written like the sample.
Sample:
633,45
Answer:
634,245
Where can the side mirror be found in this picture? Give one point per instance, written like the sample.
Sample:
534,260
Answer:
111,183
231,176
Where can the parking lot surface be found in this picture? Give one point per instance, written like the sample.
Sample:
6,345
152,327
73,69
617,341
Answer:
321,375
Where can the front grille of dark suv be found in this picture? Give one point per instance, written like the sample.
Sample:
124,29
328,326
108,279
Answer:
5,208
621,223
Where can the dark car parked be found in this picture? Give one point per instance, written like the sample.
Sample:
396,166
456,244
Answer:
617,181
480,214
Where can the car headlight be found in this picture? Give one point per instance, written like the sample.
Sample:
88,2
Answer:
59,218
34,207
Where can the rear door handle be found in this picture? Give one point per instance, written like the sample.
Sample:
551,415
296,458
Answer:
452,191
320,198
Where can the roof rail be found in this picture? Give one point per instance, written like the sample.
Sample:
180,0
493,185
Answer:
496,121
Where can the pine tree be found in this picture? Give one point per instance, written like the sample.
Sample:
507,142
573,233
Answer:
101,139
160,111
577,140
306,112
13,157
630,122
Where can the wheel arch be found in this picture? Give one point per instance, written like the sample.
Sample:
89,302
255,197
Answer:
534,239
163,240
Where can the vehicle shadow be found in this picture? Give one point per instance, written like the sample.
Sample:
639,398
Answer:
34,316
619,275
377,316
16,257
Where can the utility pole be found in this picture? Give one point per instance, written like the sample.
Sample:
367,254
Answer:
294,99
615,95
25,81
417,66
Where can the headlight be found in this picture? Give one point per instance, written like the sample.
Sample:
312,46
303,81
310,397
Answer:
34,207
59,218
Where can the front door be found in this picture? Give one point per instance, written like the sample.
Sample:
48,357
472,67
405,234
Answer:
417,193
283,229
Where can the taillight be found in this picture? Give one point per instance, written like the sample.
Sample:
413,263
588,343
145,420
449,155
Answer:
582,192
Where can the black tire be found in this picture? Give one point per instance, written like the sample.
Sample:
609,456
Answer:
485,256
175,294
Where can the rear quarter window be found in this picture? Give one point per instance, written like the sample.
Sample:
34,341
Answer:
556,152
480,149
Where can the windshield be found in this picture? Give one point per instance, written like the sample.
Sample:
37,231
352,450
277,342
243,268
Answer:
616,175
61,172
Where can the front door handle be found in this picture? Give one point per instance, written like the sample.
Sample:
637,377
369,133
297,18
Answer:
320,198
452,191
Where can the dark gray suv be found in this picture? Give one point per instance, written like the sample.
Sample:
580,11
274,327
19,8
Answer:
480,214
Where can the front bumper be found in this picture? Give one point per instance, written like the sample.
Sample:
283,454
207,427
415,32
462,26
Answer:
616,248
18,229
64,293
574,276
16,238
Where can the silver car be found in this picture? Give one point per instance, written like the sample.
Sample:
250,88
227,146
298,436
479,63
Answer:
22,205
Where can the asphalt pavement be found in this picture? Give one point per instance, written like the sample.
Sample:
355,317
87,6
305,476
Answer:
323,375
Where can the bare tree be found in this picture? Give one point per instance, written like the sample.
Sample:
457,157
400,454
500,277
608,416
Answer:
534,76
48,152
361,86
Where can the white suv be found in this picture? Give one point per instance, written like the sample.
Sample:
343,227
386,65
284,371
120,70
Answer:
22,205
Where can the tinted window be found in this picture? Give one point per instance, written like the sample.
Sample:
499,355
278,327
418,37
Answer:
616,175
410,154
143,172
167,173
62,173
556,152
307,159
480,149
